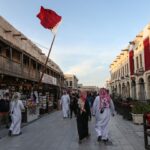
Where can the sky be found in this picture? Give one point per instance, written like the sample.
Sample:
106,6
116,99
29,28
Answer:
92,32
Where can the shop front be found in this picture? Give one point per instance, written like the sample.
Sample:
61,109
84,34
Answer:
48,94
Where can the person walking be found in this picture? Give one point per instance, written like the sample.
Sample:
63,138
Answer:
16,106
65,102
83,115
103,107
73,105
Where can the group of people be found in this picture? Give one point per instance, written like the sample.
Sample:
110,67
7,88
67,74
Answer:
84,106
100,106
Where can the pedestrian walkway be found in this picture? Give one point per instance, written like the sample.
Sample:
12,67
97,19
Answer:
54,133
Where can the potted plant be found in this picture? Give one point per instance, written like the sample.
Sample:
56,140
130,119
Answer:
138,109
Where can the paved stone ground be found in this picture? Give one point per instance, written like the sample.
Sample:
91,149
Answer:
51,132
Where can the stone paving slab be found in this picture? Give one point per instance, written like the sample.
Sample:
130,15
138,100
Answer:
54,133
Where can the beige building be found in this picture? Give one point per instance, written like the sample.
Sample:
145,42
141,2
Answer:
21,66
89,88
130,70
71,81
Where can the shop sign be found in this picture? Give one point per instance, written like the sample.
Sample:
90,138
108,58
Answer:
49,79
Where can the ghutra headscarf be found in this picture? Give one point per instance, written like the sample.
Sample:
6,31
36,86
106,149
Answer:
104,98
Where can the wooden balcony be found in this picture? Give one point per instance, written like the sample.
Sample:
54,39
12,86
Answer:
13,68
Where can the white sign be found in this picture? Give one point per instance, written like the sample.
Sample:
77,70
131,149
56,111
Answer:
49,79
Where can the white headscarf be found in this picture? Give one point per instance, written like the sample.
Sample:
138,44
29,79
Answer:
16,96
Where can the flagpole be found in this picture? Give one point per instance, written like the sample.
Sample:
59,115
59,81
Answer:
47,59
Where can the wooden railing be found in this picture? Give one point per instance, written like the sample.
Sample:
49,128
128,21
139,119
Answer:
16,69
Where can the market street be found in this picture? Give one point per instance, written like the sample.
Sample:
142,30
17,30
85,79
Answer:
54,133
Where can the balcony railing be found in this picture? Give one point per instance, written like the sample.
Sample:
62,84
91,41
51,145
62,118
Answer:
15,69
139,71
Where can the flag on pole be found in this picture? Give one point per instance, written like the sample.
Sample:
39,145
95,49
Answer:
49,19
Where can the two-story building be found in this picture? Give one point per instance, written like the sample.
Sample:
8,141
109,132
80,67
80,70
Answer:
21,66
71,82
130,71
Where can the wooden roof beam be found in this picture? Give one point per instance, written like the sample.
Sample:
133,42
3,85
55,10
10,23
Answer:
17,34
24,38
7,31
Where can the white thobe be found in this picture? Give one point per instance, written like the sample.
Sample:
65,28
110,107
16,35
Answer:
102,119
15,110
65,101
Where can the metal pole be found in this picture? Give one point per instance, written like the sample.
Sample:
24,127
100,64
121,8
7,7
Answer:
46,60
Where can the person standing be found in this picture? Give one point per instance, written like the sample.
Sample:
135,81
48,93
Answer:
65,102
16,106
1,109
83,115
103,107
6,109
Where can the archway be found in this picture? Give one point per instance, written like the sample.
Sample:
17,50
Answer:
119,89
128,89
133,89
123,91
141,89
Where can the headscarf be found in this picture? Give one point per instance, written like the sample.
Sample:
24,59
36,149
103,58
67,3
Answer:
104,98
82,100
83,95
16,96
64,92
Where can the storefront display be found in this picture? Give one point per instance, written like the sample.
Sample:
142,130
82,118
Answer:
45,102
32,110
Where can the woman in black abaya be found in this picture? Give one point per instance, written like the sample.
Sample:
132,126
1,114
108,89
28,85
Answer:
83,115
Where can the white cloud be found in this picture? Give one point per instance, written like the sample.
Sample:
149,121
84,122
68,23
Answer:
90,65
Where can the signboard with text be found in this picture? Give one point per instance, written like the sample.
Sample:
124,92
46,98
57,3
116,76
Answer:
49,79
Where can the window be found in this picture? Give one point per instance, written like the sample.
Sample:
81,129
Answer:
122,71
25,60
141,61
127,68
70,83
16,55
67,83
137,62
7,53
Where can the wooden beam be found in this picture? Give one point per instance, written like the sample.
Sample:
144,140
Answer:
125,50
139,36
23,38
7,31
17,34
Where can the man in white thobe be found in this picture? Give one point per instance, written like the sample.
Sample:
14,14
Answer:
65,102
102,112
16,106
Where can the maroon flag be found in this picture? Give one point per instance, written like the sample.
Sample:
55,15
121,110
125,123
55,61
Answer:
49,18
146,44
131,61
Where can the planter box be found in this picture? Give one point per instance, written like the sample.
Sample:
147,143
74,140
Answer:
137,118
